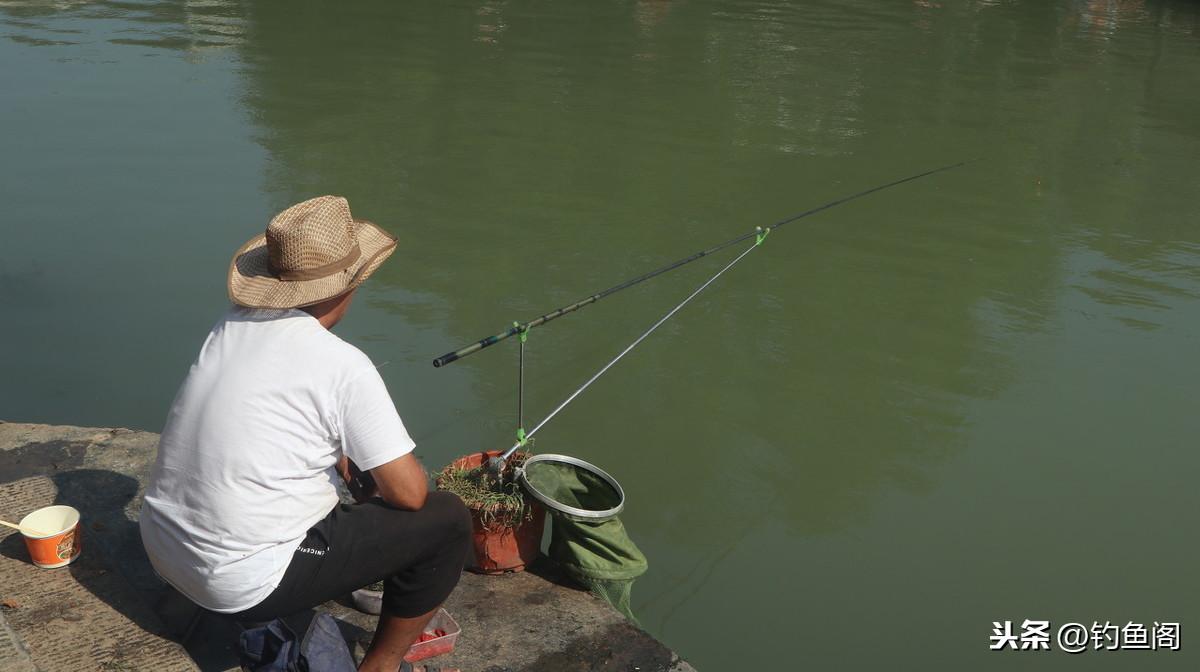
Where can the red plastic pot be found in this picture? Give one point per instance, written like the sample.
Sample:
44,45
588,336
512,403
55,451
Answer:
500,549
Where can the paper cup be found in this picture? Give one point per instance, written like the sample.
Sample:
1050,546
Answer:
56,543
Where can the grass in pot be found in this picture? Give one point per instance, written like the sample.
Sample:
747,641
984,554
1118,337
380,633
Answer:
507,525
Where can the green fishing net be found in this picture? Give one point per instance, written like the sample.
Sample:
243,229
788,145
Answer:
593,548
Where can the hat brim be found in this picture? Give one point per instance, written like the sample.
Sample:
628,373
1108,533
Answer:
251,283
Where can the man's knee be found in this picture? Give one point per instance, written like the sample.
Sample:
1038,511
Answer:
452,514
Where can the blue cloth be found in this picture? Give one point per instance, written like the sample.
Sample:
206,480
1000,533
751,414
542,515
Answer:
324,649
273,648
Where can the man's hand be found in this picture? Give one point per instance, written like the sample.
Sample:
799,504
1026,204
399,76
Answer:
362,486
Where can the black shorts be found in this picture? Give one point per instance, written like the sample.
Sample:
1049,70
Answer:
419,555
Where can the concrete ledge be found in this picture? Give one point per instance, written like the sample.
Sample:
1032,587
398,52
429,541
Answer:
529,621
109,610
92,614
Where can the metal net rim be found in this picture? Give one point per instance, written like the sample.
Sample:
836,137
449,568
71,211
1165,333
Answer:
555,505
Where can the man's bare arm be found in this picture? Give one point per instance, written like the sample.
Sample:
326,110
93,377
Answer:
405,478
402,482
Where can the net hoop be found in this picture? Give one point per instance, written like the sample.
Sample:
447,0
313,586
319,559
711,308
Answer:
555,505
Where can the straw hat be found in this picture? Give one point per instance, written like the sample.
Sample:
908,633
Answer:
311,252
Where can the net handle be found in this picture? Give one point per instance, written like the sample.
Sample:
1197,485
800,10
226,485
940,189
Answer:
553,505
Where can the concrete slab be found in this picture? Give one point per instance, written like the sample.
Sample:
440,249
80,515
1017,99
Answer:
86,615
109,608
530,621
13,656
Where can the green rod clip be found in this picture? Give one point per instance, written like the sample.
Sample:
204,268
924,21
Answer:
762,235
522,331
521,436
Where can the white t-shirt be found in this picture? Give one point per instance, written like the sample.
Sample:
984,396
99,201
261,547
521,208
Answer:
246,461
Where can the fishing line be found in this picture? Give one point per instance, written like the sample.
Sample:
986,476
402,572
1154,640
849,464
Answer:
588,541
497,464
519,328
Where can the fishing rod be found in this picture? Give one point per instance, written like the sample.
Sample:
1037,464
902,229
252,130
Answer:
496,464
758,233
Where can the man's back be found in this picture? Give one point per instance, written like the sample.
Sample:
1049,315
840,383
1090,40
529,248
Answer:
245,464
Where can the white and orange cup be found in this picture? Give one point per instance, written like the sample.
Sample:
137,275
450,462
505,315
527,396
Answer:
52,536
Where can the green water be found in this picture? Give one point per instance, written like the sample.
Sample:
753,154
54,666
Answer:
967,399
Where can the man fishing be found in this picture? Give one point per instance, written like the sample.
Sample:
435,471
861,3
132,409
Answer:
242,514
